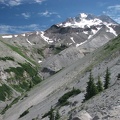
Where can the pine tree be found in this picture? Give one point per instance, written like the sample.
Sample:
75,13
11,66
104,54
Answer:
51,116
107,79
99,85
91,88
57,115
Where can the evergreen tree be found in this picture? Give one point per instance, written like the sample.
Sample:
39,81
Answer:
99,85
30,84
51,116
107,79
57,115
91,88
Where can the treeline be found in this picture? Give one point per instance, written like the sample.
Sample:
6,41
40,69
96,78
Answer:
94,88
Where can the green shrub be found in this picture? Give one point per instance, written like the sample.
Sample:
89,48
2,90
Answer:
24,113
49,113
63,99
24,84
40,51
19,51
58,49
7,58
4,91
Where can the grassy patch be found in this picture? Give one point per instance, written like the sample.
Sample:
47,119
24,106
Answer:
18,71
25,85
105,52
9,106
16,49
40,51
58,49
18,88
7,58
5,92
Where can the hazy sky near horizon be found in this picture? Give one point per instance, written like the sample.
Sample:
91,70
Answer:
18,16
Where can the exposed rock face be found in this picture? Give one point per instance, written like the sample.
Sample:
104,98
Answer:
83,115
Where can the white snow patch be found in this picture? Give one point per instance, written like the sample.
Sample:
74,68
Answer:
37,33
90,36
7,36
86,32
83,23
48,40
83,15
111,30
70,43
94,32
29,42
72,39
77,45
15,35
39,61
23,35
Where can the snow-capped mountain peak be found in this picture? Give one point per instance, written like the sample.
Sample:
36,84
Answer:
83,20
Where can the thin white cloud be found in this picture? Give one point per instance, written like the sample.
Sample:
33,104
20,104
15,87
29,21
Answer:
58,16
47,13
115,7
6,29
19,2
113,12
11,2
39,1
14,2
26,15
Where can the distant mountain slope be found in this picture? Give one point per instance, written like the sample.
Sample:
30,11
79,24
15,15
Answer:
83,34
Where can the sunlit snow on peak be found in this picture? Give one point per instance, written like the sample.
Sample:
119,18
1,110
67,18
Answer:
83,23
83,15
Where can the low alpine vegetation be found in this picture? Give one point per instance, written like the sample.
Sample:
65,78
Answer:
63,100
7,58
24,113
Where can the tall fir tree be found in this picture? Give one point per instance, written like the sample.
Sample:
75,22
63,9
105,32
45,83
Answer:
107,79
99,85
51,116
91,89
57,115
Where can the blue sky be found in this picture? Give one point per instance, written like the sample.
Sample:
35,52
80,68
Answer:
18,16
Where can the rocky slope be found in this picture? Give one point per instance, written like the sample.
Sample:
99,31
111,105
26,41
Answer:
40,99
18,73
